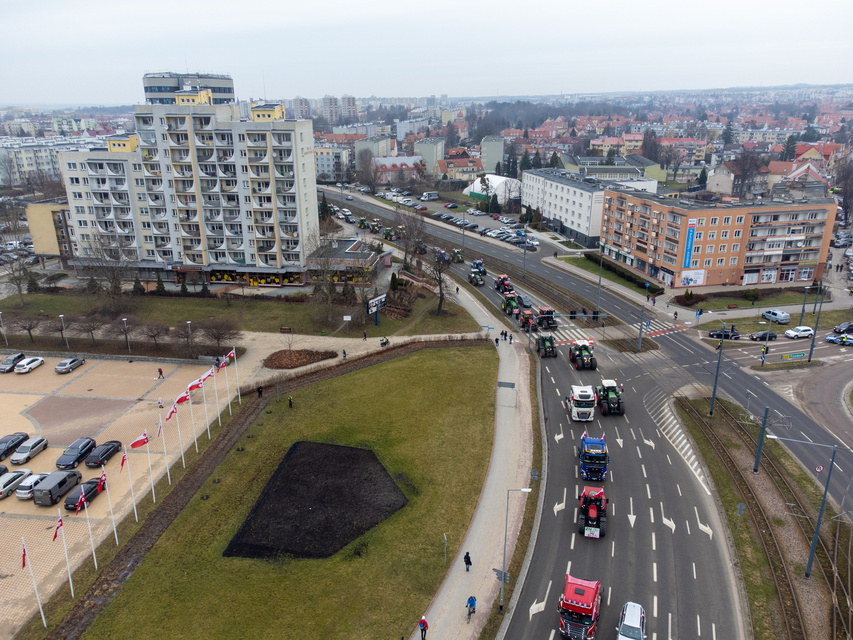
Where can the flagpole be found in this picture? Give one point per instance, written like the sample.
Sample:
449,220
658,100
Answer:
130,477
110,502
67,563
150,473
180,439
206,419
228,390
237,375
192,415
35,588
88,524
165,456
216,394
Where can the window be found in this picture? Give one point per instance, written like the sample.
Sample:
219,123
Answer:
700,222
724,235
712,235
74,180
709,248
76,195
79,209
714,221
694,263
148,238
722,248
146,225
699,235
736,247
139,182
82,223
140,197
739,220
721,262
737,233
71,165
727,220
708,262
732,262
697,248
806,273
137,167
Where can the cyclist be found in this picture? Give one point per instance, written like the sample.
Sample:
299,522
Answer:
472,603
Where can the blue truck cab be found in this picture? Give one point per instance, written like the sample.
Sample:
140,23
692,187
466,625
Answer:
593,457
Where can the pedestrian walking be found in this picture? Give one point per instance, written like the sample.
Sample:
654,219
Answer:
160,402
497,341
216,363
457,291
290,401
345,354
675,315
260,392
365,335
467,561
647,297
555,254
160,375
654,299
423,626
510,338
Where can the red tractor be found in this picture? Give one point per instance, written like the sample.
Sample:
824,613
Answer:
502,284
592,513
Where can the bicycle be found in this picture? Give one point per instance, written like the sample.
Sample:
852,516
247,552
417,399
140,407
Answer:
470,612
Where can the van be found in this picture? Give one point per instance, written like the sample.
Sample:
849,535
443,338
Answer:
777,315
50,490
429,195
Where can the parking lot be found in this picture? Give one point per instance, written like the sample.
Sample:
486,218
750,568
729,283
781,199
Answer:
105,400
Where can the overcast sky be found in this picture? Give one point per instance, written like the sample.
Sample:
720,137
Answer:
95,51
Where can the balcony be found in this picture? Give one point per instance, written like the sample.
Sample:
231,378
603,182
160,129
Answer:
225,155
187,201
104,213
203,122
210,186
258,172
127,242
290,246
115,169
225,139
194,258
235,245
187,215
285,186
268,261
154,184
204,155
130,254
217,257
237,257
162,243
165,254
216,244
290,257
144,123
124,213
284,171
106,227
120,199
95,169
282,139
227,171
184,186
205,140
287,218
183,170
147,139
158,213
288,231
256,140
160,228
176,123
282,156
152,169
230,216
213,215
229,185
190,245
178,140
150,155
258,159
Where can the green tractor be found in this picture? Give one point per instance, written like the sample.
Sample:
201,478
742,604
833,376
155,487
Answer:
580,353
362,223
456,256
475,278
419,248
509,304
389,234
609,397
546,346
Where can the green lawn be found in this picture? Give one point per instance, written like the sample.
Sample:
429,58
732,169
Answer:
591,267
438,442
828,319
571,244
778,300
249,315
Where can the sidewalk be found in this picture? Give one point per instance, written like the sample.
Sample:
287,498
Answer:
509,468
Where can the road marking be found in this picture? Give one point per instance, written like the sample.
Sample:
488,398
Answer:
652,514
651,443
608,595
669,631
552,380
572,544
704,528
694,570
688,527
631,516
654,544
643,467
632,434
539,607
626,419
669,523
612,549
553,632
639,453
654,571
569,567
839,468
563,404
559,395
559,506
678,486
559,436
714,631
655,606
648,492
698,625
612,510
548,370
806,437
668,459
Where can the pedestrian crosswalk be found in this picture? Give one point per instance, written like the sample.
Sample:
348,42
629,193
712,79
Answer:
567,332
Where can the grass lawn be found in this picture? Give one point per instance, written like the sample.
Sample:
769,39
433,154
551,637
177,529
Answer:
571,244
436,445
587,265
779,300
249,315
828,320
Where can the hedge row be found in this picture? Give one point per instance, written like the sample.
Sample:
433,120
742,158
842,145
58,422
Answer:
627,274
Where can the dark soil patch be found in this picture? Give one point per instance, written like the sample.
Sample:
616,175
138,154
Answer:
321,498
292,358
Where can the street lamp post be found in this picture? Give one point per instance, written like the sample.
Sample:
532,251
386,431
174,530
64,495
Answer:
126,335
464,222
717,375
822,502
190,336
600,265
506,529
62,324
816,322
3,329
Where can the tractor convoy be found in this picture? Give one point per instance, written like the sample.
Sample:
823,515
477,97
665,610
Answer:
593,456
546,347
609,396
502,284
592,513
545,318
476,279
580,353
579,607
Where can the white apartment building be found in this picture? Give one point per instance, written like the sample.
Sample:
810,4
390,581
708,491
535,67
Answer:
331,110
571,203
332,162
349,108
204,191
24,158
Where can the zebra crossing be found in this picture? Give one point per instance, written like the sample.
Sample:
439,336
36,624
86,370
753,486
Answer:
566,333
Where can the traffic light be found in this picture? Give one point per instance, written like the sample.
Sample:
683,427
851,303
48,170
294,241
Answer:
572,314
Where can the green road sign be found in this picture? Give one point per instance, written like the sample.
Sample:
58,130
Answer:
792,356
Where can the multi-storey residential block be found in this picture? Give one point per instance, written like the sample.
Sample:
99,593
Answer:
349,108
48,225
204,191
331,109
25,159
431,150
160,88
302,108
492,152
460,168
685,243
332,162
379,146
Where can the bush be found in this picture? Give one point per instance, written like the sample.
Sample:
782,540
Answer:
627,274
92,288
55,277
751,294
184,290
393,281
296,297
32,283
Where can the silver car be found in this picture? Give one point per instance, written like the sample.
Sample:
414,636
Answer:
28,450
69,364
632,623
28,486
10,481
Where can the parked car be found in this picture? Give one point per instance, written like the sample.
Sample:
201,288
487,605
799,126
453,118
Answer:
9,444
799,332
420,207
28,364
27,488
729,333
32,260
632,622
844,327
840,339
9,362
28,450
451,205
102,453
89,488
76,453
777,315
9,481
762,335
69,364
57,484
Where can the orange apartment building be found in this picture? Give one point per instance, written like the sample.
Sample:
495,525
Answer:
685,243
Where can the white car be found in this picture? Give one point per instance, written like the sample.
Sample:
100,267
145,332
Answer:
10,481
532,241
28,364
799,332
28,450
632,622
28,486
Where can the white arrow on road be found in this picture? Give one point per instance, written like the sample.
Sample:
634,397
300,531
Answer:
649,442
618,439
559,436
669,523
703,527
539,607
631,516
560,505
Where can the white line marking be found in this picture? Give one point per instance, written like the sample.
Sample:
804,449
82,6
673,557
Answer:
539,607
643,467
668,459
654,544
698,625
652,514
669,523
648,492
694,570
608,596
654,571
704,528
688,527
559,506
655,606
806,437
612,549
569,567
639,453
678,486
572,544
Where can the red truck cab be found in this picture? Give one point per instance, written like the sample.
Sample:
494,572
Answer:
579,607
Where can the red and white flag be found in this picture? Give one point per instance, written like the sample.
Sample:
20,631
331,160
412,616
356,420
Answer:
209,374
232,354
223,364
195,384
183,397
583,435
80,501
160,428
123,460
24,558
102,480
58,527
140,441
172,411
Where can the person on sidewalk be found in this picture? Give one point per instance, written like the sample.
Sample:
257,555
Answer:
510,338
654,299
160,402
467,560
675,316
345,354
260,392
290,401
498,341
160,375
423,626
365,336
472,602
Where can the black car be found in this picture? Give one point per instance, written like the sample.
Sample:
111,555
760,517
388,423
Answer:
76,453
3,469
90,490
762,335
406,193
729,333
9,362
844,327
8,444
102,453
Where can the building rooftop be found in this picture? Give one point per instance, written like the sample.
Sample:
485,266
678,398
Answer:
580,181
700,205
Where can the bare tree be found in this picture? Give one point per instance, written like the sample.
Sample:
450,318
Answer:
155,331
123,328
436,269
90,325
104,260
26,323
366,172
7,168
186,334
220,331
14,268
747,166
322,266
60,326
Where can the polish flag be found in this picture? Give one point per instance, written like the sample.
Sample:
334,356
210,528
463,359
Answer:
160,428
232,354
172,411
223,364
196,384
58,527
603,437
102,480
81,501
141,440
183,397
583,435
25,555
123,460
209,374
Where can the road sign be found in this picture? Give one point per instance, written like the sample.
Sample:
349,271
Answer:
375,304
819,468
741,507
792,356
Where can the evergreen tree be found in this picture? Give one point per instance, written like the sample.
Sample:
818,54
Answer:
611,157
494,205
703,177
138,289
651,146
160,288
498,169
526,163
810,134
205,290
184,290
790,150
537,160
32,283
525,135
728,134
554,162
